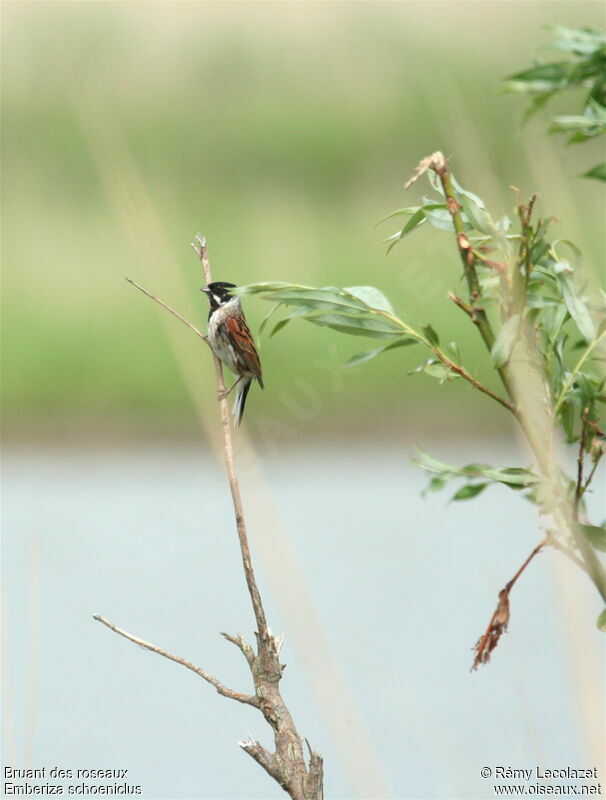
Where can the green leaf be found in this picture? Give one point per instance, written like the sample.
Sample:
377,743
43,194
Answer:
601,621
265,319
512,477
588,388
420,215
279,325
538,251
552,320
440,218
377,327
434,485
548,73
327,299
299,311
466,193
572,122
528,87
360,358
585,40
431,464
414,222
505,341
477,216
438,370
399,212
577,308
578,253
536,103
371,296
355,298
567,418
456,350
265,286
431,335
469,491
581,136
598,172
595,535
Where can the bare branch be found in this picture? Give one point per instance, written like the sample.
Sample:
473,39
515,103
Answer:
267,760
462,372
201,251
287,765
241,698
241,645
168,308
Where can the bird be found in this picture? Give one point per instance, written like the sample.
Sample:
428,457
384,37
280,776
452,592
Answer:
231,341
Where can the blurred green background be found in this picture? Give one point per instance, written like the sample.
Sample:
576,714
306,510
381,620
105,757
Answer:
282,132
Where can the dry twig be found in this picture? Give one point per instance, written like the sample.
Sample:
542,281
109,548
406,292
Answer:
287,765
500,618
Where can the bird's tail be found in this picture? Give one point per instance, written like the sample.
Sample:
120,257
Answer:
241,394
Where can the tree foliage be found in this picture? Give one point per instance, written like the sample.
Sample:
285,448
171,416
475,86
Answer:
583,68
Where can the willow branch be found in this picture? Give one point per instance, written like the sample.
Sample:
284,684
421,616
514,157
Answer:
437,163
461,304
250,700
462,372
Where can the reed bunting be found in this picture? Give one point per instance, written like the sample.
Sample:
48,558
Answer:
232,342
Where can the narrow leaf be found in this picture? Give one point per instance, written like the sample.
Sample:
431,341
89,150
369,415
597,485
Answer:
360,358
265,319
414,222
469,491
431,335
577,308
371,296
477,216
279,325
435,484
377,327
598,172
398,213
438,370
595,535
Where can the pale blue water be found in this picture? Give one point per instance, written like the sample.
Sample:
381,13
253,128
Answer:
402,587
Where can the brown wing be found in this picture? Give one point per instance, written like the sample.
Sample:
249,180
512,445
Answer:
244,346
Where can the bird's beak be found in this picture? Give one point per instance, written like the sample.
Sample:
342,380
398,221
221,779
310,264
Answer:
205,289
